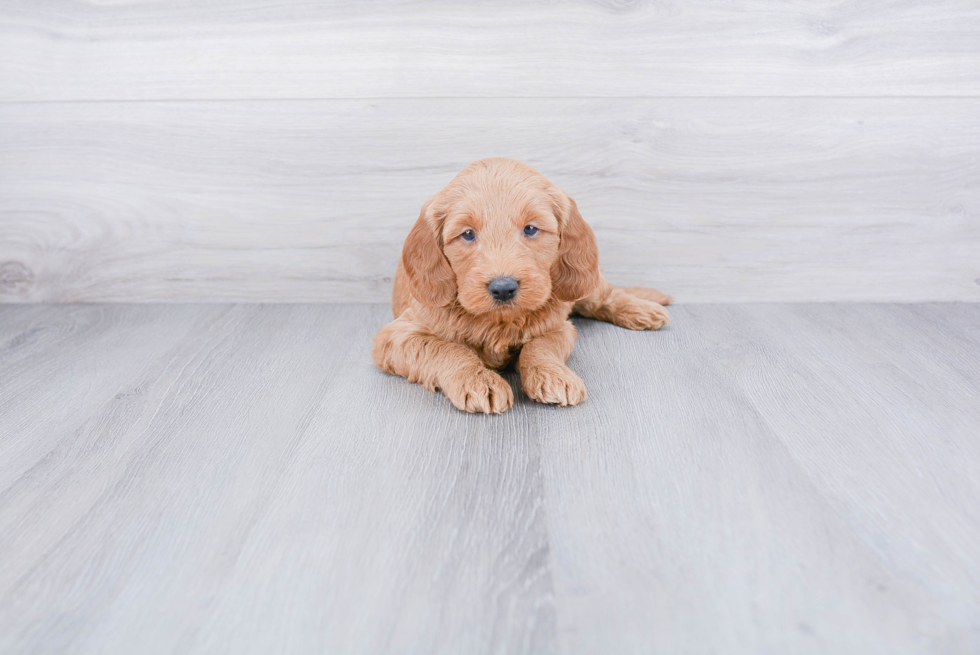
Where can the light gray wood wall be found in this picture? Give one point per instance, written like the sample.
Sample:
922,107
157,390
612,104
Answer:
722,151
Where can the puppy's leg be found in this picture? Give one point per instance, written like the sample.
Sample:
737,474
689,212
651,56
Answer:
649,294
544,375
407,349
633,308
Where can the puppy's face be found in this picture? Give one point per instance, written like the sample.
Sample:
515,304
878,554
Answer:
500,238
501,246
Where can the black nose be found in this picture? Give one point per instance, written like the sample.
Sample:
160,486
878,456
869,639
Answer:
503,288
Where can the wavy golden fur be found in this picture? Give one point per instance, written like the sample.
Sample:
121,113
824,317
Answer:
500,219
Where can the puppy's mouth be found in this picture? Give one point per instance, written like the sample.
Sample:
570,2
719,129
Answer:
503,296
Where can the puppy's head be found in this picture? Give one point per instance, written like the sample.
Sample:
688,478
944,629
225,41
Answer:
501,238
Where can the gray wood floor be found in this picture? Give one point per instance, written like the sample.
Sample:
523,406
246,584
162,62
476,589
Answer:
239,478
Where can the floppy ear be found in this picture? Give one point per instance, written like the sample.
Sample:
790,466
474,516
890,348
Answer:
575,273
430,277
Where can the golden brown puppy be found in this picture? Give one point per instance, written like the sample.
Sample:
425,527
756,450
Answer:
491,271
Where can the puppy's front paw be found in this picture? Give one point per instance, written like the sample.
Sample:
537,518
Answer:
554,385
640,314
649,294
479,391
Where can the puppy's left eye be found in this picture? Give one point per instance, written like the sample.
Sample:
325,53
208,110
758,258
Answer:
530,230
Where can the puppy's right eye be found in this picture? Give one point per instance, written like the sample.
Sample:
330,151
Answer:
468,235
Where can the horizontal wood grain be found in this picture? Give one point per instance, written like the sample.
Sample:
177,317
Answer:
170,49
757,478
734,200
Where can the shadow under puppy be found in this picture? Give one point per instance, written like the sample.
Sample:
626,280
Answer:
494,266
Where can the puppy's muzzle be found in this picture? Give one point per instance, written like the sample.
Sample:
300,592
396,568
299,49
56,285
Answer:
503,289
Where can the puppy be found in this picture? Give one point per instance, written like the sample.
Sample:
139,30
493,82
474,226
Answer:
494,266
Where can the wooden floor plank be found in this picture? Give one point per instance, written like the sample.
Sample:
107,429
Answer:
753,478
754,481
18,325
258,489
73,361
